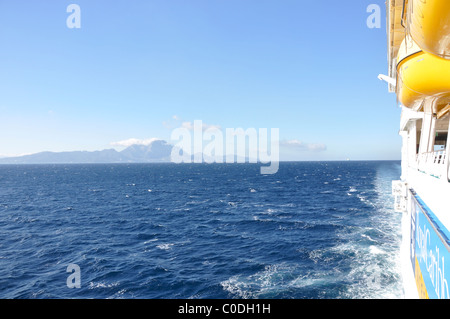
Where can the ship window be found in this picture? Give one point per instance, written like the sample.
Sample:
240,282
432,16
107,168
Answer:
440,138
440,141
418,134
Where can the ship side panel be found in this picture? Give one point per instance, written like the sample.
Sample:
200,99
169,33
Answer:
431,262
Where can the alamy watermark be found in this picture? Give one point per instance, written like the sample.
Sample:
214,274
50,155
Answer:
74,279
73,21
202,144
374,19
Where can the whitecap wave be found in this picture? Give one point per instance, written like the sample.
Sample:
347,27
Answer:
165,246
271,281
96,285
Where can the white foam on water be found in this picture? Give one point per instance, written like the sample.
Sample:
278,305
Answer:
377,269
273,279
371,272
372,247
277,279
374,250
165,246
96,285
119,295
237,288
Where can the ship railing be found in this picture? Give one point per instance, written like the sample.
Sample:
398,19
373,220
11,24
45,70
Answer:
433,163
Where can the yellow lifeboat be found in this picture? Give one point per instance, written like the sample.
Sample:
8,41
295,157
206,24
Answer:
422,77
428,23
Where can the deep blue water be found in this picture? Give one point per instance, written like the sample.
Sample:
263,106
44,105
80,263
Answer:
313,230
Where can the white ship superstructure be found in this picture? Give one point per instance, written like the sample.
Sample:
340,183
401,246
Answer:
419,73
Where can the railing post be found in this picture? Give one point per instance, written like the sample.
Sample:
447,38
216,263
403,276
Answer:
447,156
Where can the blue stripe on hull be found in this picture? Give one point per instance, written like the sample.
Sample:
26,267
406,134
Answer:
430,251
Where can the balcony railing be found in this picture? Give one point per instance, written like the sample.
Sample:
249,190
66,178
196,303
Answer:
433,163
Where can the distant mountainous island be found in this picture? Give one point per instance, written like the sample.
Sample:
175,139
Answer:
156,152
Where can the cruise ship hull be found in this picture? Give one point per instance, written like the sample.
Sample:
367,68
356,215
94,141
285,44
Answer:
426,240
418,72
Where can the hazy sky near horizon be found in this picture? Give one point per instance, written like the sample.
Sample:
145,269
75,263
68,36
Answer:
139,69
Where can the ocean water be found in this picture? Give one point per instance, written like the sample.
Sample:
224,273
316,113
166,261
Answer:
313,230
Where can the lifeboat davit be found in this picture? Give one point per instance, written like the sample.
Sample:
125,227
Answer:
428,23
422,77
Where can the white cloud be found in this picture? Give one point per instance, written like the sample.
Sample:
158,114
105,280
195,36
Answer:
135,141
296,144
317,147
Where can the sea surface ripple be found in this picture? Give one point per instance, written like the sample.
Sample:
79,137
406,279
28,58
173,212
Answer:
313,230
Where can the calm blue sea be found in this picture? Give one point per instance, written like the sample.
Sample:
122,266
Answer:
313,230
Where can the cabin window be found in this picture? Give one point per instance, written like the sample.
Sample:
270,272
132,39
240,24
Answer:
440,137
418,134
440,141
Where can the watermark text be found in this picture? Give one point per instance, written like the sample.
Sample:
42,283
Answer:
209,145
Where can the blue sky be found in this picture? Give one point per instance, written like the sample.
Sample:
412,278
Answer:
138,69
